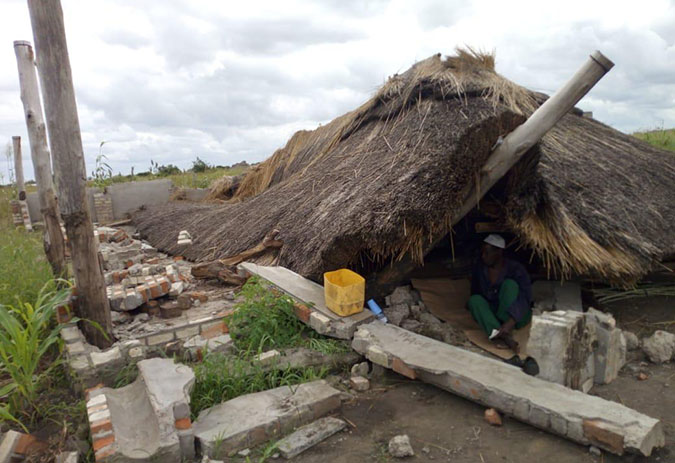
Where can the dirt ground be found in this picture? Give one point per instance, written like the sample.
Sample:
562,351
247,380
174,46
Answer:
444,427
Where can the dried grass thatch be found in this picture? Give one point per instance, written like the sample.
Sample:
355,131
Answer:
223,189
386,179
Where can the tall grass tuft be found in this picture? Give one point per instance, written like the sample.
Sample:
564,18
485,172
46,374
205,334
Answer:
265,319
220,377
27,335
661,138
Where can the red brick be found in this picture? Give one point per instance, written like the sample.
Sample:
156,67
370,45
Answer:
155,290
164,285
196,295
598,433
101,425
28,444
104,453
400,367
215,330
144,291
63,314
302,312
177,258
87,392
102,442
183,423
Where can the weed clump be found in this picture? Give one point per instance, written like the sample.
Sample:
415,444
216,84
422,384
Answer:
220,377
265,319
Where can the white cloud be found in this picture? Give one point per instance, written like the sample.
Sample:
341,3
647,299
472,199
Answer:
228,81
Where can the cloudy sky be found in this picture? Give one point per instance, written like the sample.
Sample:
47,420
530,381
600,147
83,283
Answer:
170,80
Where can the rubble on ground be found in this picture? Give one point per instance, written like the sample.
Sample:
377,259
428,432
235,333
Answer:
399,447
404,307
309,435
659,347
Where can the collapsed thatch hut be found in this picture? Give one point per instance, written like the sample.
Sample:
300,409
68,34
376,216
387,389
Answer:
385,180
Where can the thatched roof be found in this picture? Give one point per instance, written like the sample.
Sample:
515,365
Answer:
386,179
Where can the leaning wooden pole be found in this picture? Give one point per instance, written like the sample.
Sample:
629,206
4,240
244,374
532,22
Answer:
507,154
54,243
65,141
18,168
528,134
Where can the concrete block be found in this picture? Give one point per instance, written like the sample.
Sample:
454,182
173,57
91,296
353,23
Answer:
359,383
319,322
268,358
610,352
251,419
551,406
562,344
308,436
106,358
71,334
9,440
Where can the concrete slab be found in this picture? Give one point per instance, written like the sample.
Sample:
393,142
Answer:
309,435
252,419
572,414
144,416
311,294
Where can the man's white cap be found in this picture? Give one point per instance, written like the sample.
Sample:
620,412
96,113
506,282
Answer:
496,241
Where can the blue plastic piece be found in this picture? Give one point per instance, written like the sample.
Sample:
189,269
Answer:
372,305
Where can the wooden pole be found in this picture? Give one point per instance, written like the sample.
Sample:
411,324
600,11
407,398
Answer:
528,134
18,168
65,142
507,154
37,135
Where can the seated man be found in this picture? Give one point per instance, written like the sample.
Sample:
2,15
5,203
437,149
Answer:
501,293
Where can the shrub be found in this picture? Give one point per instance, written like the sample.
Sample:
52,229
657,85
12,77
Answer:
199,166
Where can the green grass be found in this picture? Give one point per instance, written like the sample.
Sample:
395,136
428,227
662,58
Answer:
265,319
24,269
661,138
185,179
28,337
220,377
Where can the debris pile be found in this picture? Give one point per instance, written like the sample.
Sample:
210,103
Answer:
405,308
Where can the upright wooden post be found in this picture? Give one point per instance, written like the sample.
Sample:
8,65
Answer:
18,168
37,135
65,142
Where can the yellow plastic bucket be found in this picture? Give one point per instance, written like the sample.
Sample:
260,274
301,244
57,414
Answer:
345,291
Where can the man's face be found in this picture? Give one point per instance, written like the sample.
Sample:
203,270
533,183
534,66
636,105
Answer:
490,255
